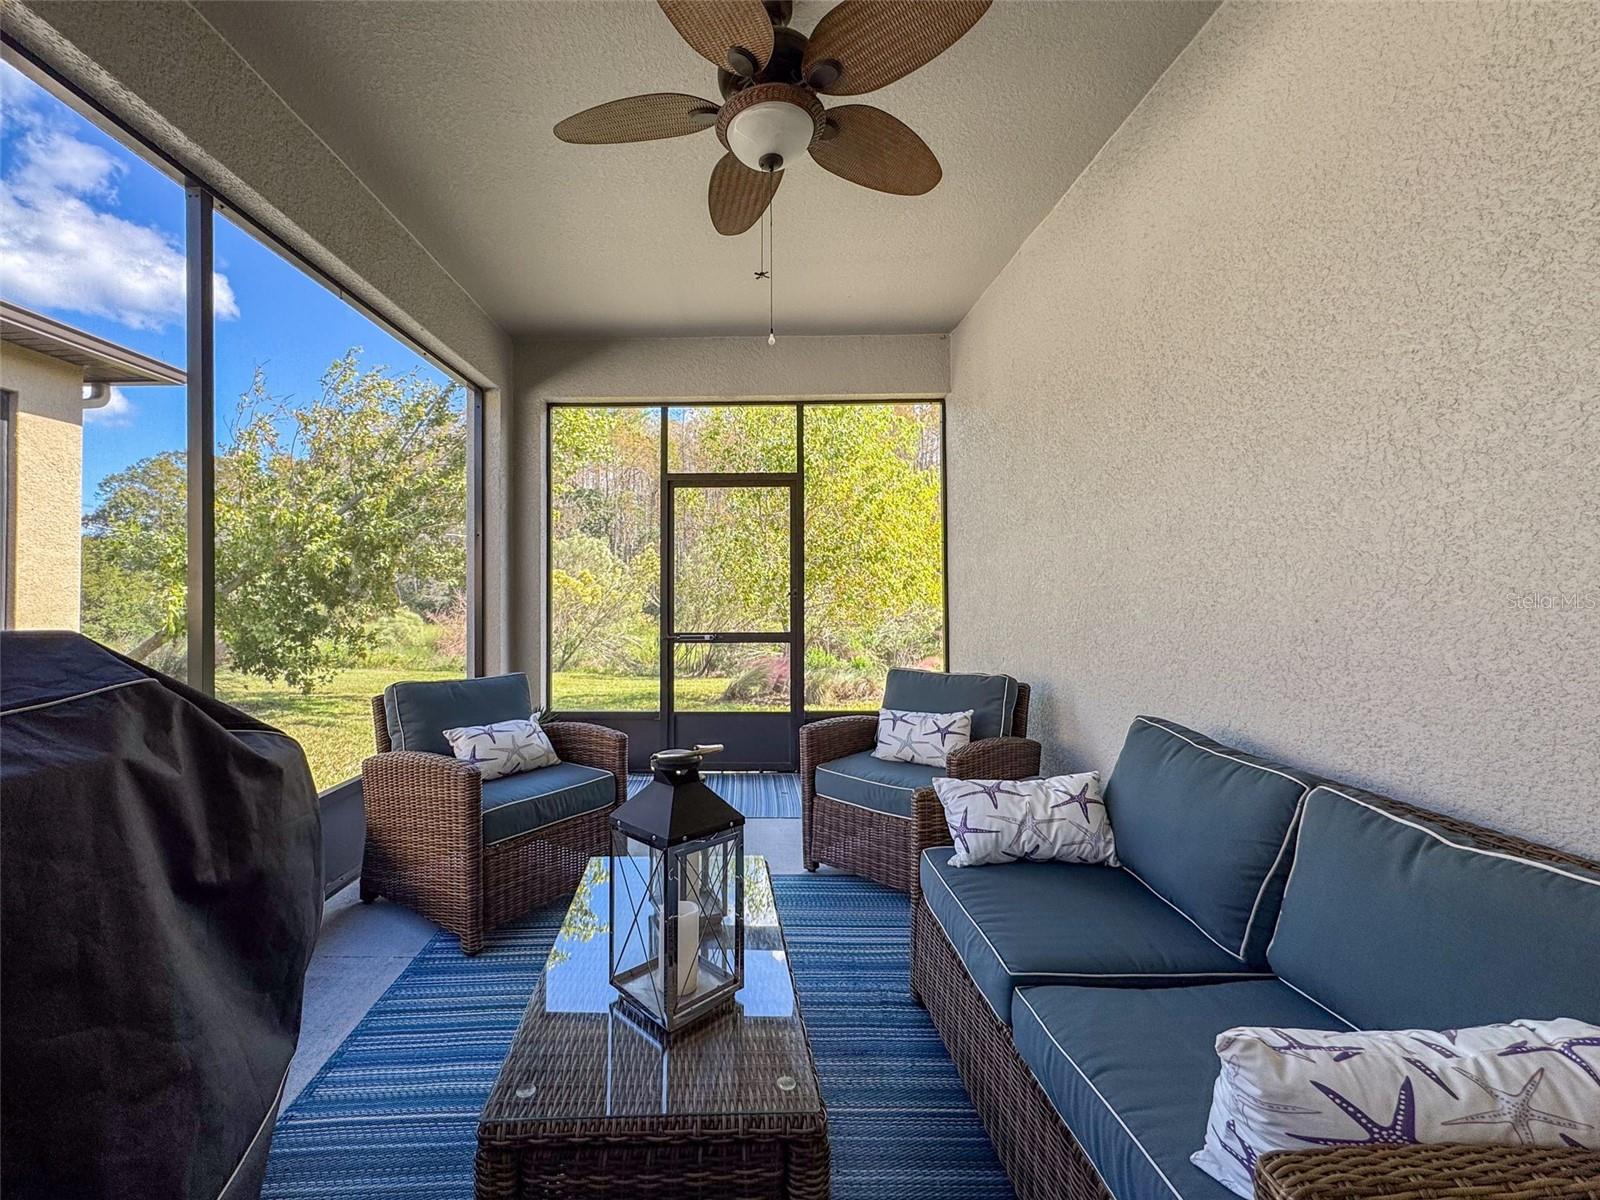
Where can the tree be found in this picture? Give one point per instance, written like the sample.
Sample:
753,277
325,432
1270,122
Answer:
329,515
874,531
593,600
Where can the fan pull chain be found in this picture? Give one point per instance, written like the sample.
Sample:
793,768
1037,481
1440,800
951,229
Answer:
772,334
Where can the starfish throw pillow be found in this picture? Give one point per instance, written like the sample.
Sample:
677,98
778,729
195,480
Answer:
1528,1083
918,737
1061,819
503,748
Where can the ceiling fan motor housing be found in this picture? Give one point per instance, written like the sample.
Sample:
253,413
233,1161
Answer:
770,125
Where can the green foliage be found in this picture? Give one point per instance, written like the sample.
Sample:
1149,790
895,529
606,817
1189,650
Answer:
330,515
874,541
593,600
135,555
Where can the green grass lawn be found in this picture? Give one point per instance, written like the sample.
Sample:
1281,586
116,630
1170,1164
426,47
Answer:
579,691
334,723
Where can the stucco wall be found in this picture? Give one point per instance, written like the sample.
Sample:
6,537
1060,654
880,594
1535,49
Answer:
46,478
220,119
631,370
1285,423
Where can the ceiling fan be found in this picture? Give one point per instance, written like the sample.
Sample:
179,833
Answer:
770,77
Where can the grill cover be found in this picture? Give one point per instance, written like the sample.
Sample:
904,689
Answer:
162,889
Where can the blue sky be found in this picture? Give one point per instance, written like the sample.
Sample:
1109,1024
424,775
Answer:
92,234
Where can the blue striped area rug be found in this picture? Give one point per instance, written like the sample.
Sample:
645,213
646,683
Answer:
757,794
393,1113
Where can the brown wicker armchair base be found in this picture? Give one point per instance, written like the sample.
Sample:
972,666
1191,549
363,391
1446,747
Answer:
424,845
884,847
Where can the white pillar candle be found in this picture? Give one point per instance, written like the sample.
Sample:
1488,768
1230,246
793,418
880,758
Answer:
688,947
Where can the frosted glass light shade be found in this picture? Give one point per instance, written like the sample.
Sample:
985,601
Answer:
771,127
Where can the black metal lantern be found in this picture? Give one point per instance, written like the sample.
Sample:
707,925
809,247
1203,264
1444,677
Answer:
677,895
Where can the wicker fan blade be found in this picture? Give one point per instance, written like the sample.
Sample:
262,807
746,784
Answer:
738,196
862,45
877,151
639,119
714,27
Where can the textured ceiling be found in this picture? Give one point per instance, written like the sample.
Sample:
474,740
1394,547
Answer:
445,109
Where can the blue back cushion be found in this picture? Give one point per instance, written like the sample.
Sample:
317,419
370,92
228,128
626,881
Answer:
1394,924
419,713
1208,828
992,698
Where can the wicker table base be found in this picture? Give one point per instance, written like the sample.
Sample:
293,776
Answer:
590,1103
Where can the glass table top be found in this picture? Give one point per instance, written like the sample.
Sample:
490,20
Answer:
579,1055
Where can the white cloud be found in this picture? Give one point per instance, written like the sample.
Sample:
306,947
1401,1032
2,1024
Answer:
116,413
61,244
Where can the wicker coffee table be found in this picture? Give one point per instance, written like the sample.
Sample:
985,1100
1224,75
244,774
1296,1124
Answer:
590,1102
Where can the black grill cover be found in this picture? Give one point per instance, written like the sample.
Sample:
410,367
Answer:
162,890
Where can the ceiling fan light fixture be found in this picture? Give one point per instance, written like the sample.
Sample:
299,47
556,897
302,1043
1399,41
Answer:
775,129
770,126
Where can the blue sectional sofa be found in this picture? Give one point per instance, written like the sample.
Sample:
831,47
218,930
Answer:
1082,1003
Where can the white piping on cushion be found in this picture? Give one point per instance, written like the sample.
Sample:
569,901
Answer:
110,687
1439,837
1305,791
1102,1099
1180,912
1288,834
571,787
1156,724
1527,862
864,807
1100,1175
864,779
1349,1024
1015,973
1004,1023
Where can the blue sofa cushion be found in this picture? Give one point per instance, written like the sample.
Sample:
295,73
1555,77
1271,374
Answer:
992,698
419,713
1395,924
884,787
515,804
1209,828
1131,1070
1028,923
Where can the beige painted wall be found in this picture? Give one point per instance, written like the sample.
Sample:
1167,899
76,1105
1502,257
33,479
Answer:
218,117
1285,423
46,477
633,370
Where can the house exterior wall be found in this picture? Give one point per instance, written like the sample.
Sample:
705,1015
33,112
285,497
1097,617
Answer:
1285,423
45,507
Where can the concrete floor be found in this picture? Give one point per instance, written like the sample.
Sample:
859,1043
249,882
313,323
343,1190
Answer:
362,948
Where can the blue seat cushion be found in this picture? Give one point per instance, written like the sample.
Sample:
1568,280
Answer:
1131,1070
1209,828
992,698
869,782
418,713
530,800
1024,923
1394,923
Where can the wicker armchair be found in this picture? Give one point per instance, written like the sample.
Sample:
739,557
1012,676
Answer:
886,847
425,846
